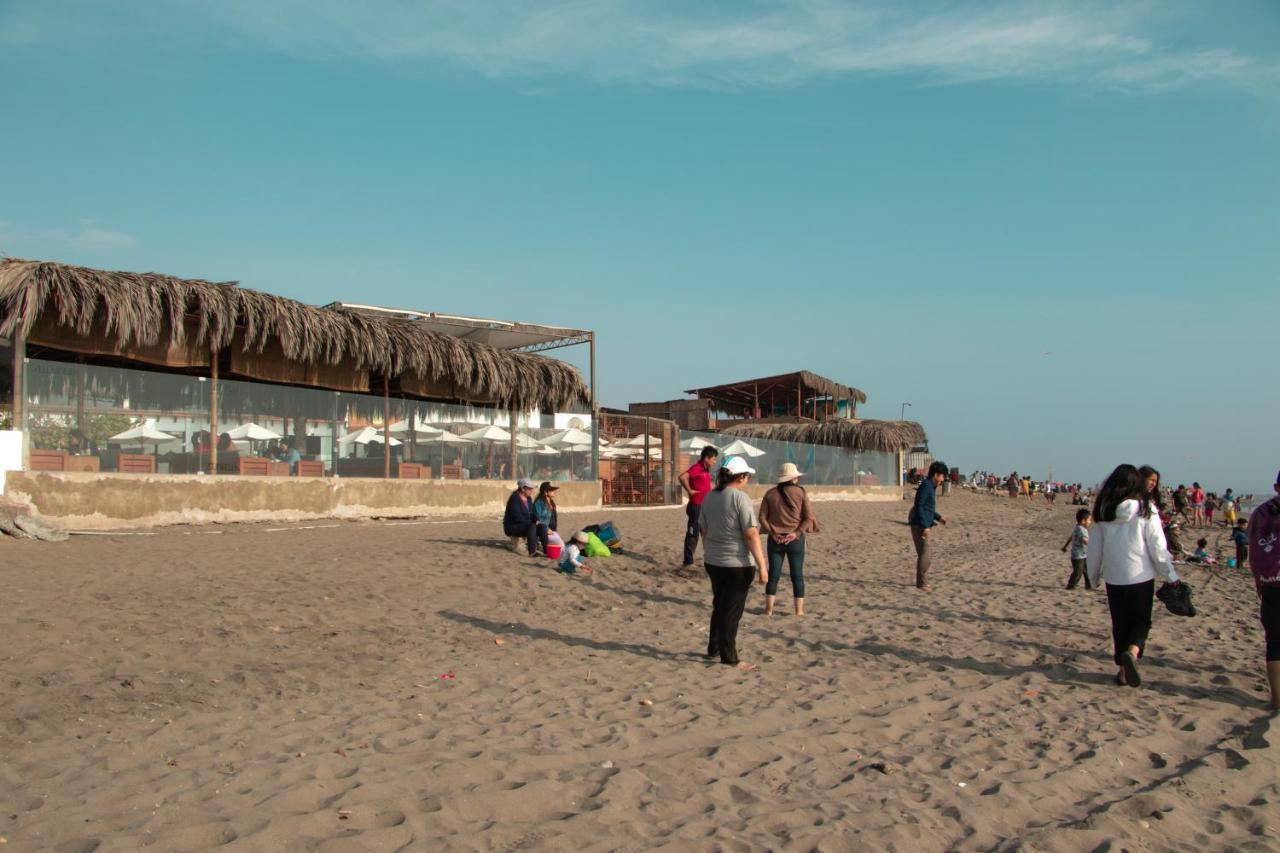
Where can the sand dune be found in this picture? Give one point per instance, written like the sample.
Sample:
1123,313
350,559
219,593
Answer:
387,686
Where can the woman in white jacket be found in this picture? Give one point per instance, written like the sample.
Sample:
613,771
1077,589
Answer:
1127,549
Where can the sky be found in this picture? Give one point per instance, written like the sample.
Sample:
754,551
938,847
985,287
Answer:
1053,229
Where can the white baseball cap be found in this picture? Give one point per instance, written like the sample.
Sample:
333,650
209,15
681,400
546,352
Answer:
736,465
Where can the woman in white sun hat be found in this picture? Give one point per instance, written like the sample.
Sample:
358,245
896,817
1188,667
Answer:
786,516
730,541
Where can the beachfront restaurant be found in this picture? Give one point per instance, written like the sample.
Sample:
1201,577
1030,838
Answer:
150,397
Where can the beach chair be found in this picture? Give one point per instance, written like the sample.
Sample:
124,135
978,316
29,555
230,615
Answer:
310,468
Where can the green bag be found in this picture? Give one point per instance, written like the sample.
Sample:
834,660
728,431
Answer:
595,548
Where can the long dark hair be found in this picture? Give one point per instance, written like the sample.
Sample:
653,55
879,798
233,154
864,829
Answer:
1152,498
547,494
1124,483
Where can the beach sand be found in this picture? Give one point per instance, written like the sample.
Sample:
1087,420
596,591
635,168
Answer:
392,685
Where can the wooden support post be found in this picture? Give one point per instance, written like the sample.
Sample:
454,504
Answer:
386,427
595,418
213,412
648,466
80,397
512,420
19,402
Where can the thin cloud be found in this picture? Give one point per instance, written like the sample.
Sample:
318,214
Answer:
87,235
746,43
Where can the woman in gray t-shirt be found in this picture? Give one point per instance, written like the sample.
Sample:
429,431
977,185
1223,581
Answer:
730,541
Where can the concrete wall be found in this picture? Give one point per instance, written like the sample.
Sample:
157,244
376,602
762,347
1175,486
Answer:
836,493
85,501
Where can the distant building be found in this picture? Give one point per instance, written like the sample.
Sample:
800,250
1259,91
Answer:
799,397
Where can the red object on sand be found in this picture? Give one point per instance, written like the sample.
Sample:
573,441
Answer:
553,552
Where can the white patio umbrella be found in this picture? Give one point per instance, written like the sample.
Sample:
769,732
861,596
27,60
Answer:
489,433
365,436
639,441
572,436
695,443
741,448
524,442
142,436
419,428
544,450
253,432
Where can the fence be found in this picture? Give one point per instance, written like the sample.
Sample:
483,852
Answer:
639,461
822,465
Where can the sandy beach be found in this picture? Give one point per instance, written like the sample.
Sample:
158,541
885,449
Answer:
412,685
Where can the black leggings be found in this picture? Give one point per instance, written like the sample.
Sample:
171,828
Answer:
729,588
1130,615
1271,621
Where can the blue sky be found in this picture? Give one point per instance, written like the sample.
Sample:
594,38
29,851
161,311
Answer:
1053,228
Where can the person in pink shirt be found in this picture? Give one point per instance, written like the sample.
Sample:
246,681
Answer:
696,483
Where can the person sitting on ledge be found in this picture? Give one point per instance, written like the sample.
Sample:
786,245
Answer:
519,519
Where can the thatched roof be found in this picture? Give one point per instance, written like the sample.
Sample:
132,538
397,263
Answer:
860,435
748,391
148,308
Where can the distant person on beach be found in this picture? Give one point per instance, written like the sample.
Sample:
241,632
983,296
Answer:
293,457
786,516
1014,484
730,542
696,483
1173,539
1180,501
1264,561
1229,506
1127,549
1240,538
1211,504
519,519
1196,496
924,519
1078,542
1151,496
544,506
1202,554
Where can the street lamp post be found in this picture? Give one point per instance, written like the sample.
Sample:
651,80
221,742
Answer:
903,414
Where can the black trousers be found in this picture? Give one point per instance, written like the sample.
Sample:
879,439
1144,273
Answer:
1130,615
535,533
1079,570
691,532
729,588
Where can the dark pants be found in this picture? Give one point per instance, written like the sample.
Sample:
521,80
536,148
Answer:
1079,569
691,533
923,559
794,554
1242,555
1130,615
1269,611
535,534
729,588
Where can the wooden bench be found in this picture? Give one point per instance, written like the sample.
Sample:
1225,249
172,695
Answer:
137,463
47,460
251,466
414,471
310,468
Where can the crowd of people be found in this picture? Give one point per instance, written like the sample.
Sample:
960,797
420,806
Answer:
1125,542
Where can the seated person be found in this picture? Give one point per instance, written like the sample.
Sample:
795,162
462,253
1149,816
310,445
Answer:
78,444
293,457
1202,554
519,519
571,562
544,506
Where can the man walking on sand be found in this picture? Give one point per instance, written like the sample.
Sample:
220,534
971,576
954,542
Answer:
924,518
696,483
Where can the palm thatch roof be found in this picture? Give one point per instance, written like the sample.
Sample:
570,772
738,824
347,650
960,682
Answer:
145,309
857,435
